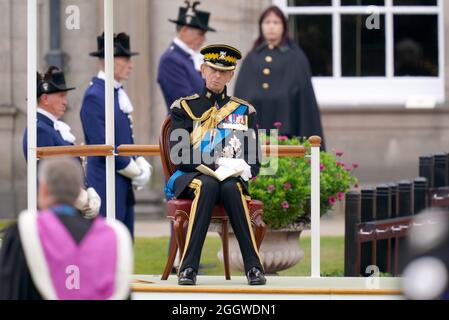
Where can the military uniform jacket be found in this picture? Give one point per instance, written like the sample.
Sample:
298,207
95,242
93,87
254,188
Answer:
177,75
233,134
93,121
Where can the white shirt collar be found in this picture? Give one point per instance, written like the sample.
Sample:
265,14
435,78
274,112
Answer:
184,46
102,75
47,114
196,56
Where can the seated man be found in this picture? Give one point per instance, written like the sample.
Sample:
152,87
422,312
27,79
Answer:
59,254
221,130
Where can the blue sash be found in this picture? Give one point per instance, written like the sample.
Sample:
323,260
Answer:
211,139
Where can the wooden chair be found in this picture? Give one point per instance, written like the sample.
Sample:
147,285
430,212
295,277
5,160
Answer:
178,211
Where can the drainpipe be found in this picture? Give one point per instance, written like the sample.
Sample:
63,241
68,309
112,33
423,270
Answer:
55,57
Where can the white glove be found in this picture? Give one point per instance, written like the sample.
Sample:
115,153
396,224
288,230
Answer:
145,173
131,170
93,205
88,202
237,165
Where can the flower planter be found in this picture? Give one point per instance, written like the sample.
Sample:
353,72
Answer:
279,251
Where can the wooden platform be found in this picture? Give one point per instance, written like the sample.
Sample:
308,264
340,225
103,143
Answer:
277,288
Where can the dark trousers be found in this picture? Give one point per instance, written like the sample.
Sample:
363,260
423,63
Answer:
206,192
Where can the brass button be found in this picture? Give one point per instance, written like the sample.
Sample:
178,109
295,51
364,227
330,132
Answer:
268,59
265,86
266,71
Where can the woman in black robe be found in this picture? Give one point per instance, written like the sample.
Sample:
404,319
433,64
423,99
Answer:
276,78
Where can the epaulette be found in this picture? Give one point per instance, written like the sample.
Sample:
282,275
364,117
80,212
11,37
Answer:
177,103
251,108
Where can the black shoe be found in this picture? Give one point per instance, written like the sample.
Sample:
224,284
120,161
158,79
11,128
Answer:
256,277
187,277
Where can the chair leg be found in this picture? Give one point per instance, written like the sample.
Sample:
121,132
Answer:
260,229
225,242
178,229
171,258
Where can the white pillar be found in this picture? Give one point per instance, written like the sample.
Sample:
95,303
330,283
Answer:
315,207
109,105
32,104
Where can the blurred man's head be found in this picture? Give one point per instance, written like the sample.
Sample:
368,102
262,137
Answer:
194,38
60,182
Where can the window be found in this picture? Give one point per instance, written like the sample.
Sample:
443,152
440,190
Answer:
388,52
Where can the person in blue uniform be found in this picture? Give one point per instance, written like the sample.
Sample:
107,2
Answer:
213,132
131,173
52,132
179,67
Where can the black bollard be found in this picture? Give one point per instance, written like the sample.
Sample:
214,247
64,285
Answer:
394,200
405,198
405,209
352,217
420,194
440,170
383,204
368,205
426,169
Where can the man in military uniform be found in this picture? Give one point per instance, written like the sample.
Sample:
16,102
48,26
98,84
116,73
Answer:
217,133
130,172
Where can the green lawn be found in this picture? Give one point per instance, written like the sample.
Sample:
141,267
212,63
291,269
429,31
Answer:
151,255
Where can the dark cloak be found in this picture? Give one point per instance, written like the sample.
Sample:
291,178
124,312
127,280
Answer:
289,98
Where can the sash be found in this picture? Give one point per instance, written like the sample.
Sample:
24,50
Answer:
206,135
208,120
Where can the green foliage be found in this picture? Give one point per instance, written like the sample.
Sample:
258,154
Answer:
286,194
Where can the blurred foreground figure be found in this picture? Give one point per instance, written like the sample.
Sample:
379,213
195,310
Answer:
57,254
426,272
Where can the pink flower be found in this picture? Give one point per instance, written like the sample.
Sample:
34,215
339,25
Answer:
267,142
340,195
322,167
355,165
332,200
283,138
341,164
339,153
356,186
277,124
270,188
285,205
287,186
349,169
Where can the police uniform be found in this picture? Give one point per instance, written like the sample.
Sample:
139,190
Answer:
93,121
222,128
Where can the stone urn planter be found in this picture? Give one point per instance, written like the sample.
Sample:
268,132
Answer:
279,251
